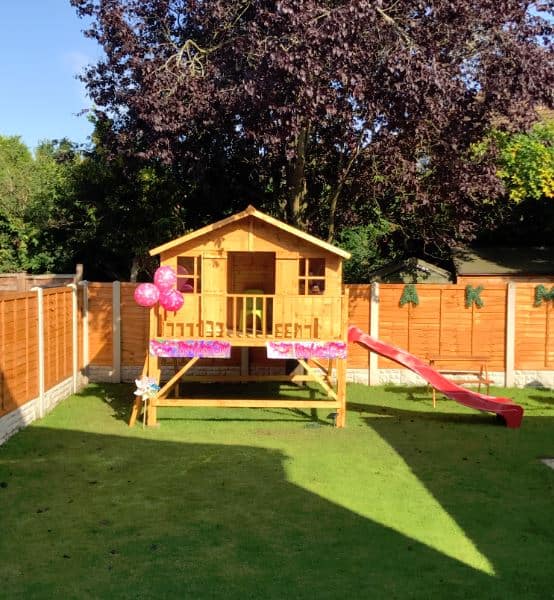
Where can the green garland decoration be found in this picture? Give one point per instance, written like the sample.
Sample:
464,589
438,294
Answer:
409,295
541,293
473,296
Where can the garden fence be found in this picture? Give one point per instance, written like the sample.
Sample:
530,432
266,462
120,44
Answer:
41,353
503,322
51,339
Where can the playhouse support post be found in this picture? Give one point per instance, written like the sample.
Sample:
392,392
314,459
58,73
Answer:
150,405
139,403
151,412
152,367
341,392
341,363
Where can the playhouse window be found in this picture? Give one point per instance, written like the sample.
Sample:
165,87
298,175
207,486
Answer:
311,276
189,274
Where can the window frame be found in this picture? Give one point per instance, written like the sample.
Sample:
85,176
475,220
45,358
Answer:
195,277
307,280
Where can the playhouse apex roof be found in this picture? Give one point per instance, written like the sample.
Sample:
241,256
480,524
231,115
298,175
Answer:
250,211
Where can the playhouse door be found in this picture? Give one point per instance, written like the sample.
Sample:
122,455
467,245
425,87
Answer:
214,283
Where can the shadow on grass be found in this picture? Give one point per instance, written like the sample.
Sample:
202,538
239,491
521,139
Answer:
543,399
87,515
120,398
479,418
488,478
114,517
417,393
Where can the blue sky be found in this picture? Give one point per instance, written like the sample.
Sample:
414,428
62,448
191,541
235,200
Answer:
42,49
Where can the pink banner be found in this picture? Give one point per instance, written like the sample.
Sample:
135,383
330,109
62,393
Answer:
190,348
306,350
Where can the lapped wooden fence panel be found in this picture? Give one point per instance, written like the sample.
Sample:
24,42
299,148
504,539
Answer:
40,336
534,331
456,323
100,319
423,321
393,323
134,328
359,313
441,325
18,350
58,335
488,332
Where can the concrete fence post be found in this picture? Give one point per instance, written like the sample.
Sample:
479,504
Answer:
510,335
374,332
116,332
74,336
85,322
41,367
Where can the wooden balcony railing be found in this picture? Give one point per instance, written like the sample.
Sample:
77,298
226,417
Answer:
243,317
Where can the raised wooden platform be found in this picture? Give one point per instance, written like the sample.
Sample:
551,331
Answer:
315,371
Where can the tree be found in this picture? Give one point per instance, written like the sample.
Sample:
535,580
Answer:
525,217
333,105
17,186
110,213
527,163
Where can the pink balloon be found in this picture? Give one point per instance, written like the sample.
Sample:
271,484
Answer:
172,300
146,294
185,286
165,278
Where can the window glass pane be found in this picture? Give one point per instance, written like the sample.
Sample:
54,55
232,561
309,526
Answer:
317,267
317,286
186,279
302,267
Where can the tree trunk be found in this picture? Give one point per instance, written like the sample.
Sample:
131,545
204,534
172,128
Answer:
134,270
332,214
296,181
341,181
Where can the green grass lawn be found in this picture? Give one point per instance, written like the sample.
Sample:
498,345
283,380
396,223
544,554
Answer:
406,502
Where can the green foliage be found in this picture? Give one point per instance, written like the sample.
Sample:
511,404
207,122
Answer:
473,296
30,189
63,206
527,162
17,186
369,247
409,295
541,293
389,114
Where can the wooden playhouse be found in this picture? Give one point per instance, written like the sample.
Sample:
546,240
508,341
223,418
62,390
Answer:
251,281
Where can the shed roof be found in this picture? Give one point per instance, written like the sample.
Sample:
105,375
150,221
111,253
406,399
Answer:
412,263
250,211
505,261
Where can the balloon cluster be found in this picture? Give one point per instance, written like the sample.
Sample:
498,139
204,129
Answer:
162,291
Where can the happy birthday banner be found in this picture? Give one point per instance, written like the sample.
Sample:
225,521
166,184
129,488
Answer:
306,350
190,348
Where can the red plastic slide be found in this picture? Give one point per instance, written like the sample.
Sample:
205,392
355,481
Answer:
511,413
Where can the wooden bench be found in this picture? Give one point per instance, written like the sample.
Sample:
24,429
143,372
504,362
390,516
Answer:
460,375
